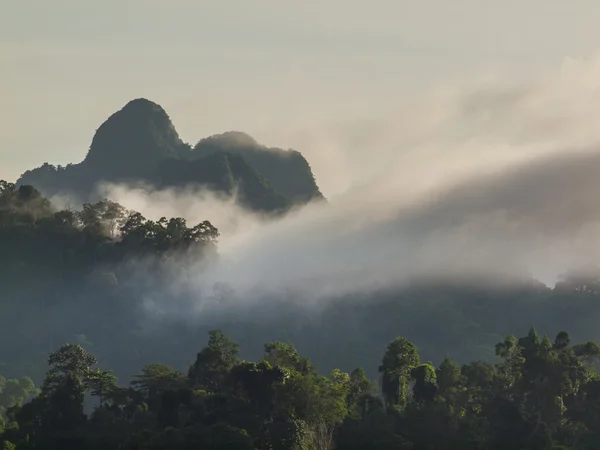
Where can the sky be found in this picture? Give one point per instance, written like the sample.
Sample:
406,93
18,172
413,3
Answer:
309,75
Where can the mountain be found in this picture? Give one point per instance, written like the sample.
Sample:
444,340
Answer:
139,143
225,173
133,141
286,170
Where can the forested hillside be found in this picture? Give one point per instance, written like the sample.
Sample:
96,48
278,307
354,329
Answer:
139,143
90,281
103,276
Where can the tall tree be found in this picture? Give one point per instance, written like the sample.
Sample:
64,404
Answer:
100,384
155,380
70,362
214,362
400,357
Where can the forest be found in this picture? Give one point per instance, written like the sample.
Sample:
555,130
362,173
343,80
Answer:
541,394
71,322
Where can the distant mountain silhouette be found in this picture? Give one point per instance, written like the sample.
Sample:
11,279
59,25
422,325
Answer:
140,144
133,141
286,170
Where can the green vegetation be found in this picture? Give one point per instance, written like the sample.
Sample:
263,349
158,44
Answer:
541,394
140,144
68,274
93,278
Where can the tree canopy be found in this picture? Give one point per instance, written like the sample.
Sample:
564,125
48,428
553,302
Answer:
541,394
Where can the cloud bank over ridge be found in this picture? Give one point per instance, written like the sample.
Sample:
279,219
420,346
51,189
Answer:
479,179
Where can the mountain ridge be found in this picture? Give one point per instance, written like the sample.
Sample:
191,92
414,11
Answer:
139,143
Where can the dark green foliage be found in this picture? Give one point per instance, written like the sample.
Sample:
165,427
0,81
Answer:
15,392
375,430
289,434
552,403
214,362
399,360
285,355
66,275
156,381
425,380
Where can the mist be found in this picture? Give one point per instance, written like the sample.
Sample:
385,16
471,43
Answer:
486,181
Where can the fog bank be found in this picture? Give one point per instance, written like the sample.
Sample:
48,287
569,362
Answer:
485,179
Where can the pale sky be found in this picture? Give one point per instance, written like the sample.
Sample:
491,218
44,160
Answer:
260,66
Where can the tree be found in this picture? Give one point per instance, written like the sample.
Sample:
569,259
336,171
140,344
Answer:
509,370
103,217
71,363
100,384
155,380
139,234
289,434
360,393
257,383
448,376
214,362
286,355
7,445
400,357
15,392
562,340
65,405
425,382
588,352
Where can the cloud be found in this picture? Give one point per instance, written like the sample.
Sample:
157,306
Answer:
488,179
